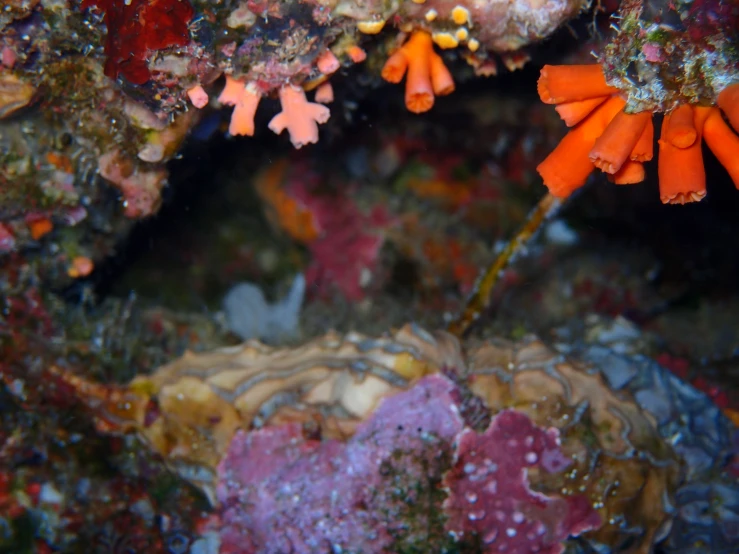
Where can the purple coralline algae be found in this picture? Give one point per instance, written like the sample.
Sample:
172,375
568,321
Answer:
489,493
398,483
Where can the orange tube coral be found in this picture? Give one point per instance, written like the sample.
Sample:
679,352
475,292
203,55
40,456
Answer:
644,149
574,112
568,166
621,142
619,138
723,143
682,178
728,101
426,73
441,79
568,83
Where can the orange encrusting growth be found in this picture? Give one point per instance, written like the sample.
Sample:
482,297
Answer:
605,136
427,76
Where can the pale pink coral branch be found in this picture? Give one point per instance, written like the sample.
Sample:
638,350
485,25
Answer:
325,93
242,120
231,93
299,117
198,97
245,99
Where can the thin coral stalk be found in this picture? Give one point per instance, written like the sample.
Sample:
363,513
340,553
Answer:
569,83
631,172
679,127
728,101
574,112
481,296
614,146
568,166
723,143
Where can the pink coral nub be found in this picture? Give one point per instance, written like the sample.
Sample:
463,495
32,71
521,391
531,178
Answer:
198,96
327,63
299,117
325,93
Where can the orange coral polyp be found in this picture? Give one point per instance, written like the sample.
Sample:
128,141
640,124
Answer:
631,173
427,75
571,83
613,148
441,79
681,131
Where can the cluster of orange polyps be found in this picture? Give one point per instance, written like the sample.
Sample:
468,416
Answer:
606,137
427,75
